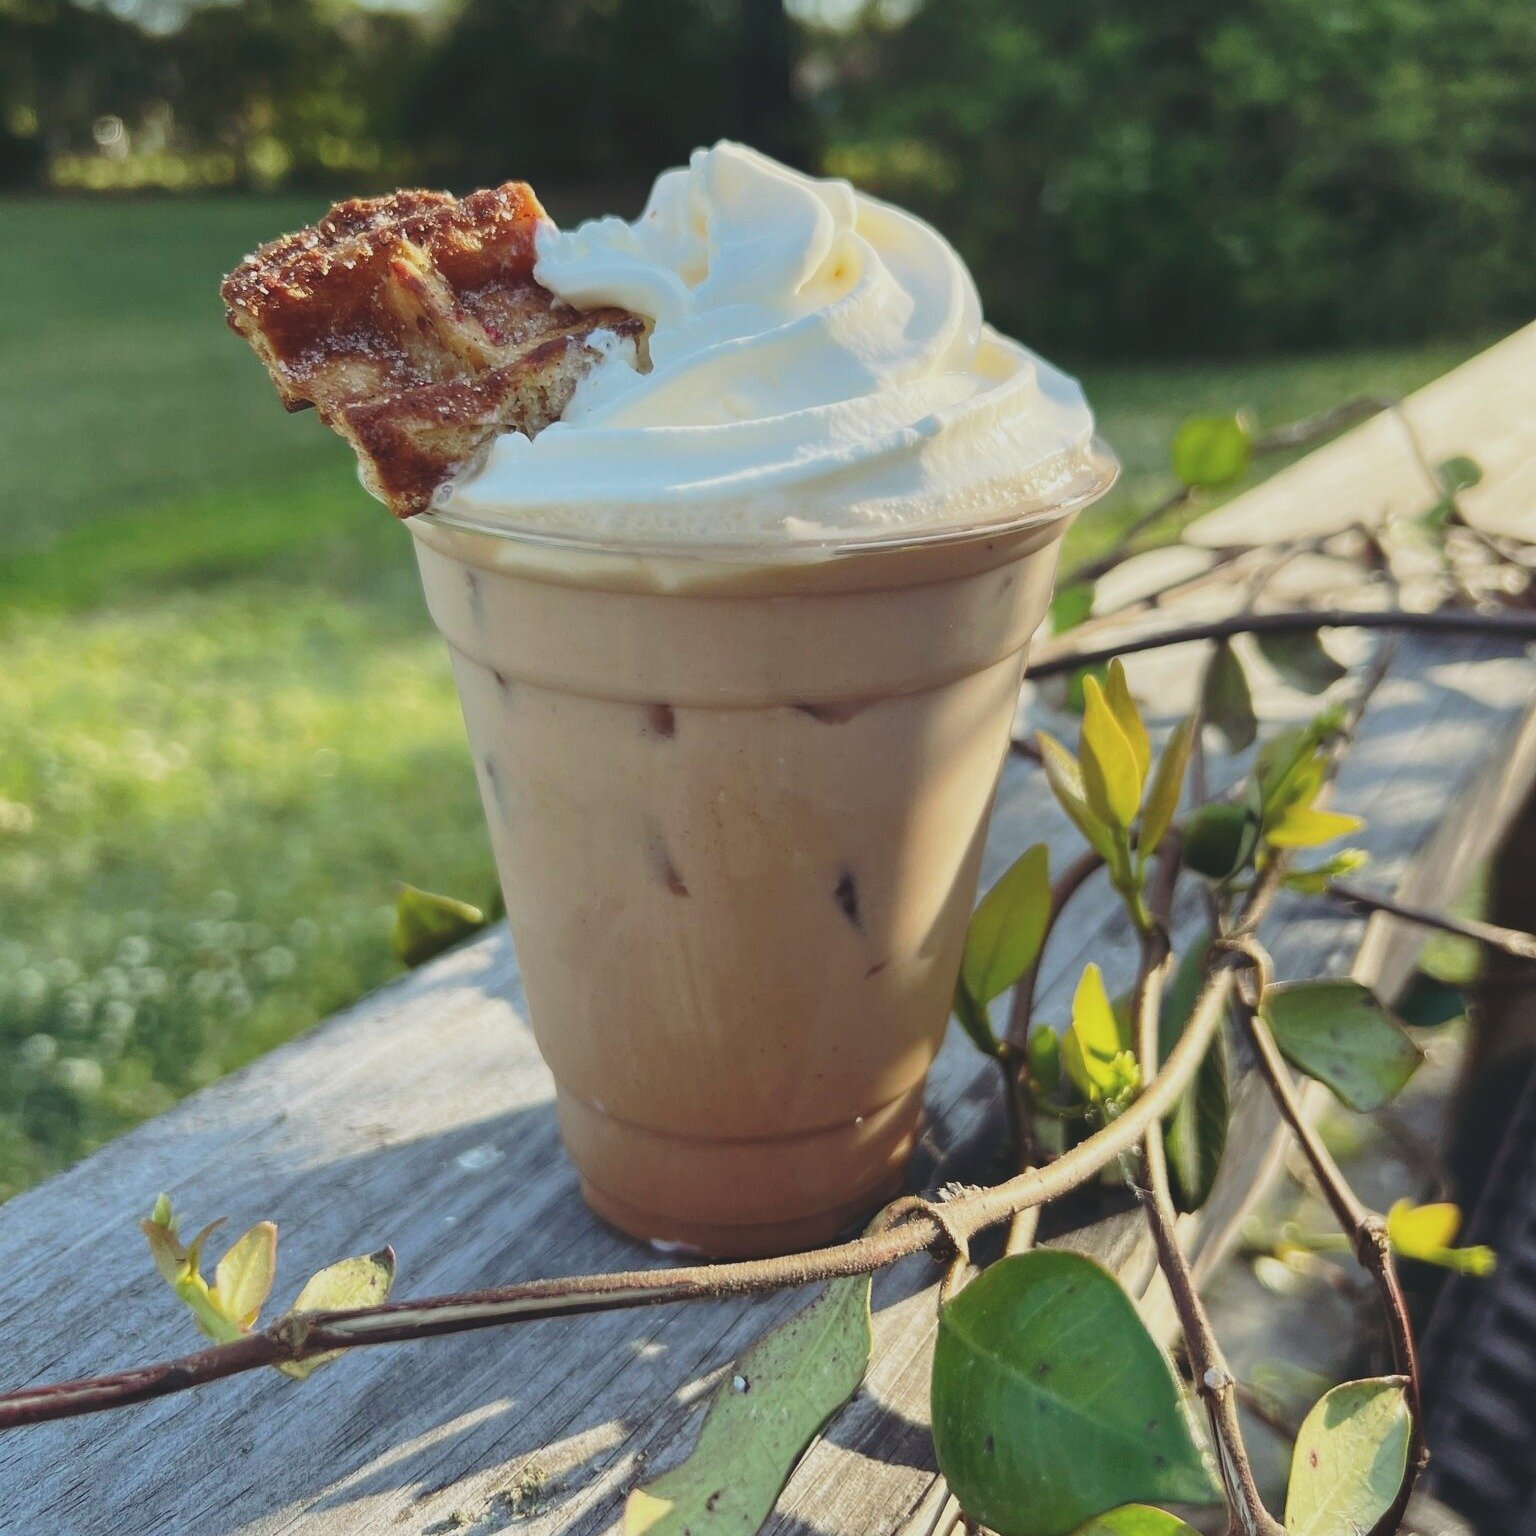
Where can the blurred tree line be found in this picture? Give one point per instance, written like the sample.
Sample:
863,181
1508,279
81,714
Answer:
1123,176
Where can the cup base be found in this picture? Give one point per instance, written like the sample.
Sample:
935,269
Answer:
682,1238
739,1198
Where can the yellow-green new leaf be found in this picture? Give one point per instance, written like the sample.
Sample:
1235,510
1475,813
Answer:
210,1319
243,1279
1092,1050
1111,773
1208,452
1419,1229
1042,1052
1066,781
772,1403
1167,786
427,923
180,1265
165,1247
363,1281
1302,826
1316,880
1428,1233
1118,693
1008,926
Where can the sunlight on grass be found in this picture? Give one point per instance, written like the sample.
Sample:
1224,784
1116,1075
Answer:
203,806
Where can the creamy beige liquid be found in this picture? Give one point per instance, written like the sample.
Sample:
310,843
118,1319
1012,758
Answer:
738,814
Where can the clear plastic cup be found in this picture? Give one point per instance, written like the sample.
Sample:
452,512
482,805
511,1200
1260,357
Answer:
738,798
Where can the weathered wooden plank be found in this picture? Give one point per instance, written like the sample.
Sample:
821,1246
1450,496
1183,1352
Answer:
422,1117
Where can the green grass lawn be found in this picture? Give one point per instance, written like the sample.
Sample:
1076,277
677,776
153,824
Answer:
227,725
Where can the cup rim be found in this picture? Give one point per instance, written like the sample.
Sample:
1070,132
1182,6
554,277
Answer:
1100,462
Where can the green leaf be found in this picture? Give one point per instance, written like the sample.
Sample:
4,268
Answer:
363,1281
1459,474
1136,1520
426,924
1051,1402
772,1404
206,1312
1094,1050
1195,1133
1042,1050
1226,704
1209,452
1108,761
1301,826
165,1248
1117,692
1428,1233
1167,786
1290,765
1061,773
1435,516
1076,700
1340,1033
1070,606
1301,659
243,1279
973,1019
1219,839
1008,926
1315,880
1428,1002
180,1265
1350,1459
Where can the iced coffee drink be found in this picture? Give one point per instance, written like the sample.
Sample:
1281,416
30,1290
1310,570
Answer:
738,638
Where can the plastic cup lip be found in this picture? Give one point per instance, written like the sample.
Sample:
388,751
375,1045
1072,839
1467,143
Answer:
1098,470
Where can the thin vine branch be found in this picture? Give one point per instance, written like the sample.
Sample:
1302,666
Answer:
1214,1381
1091,570
1056,659
1509,941
1213,1378
1308,431
1366,1229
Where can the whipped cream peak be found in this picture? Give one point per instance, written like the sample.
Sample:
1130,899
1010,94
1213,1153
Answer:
816,366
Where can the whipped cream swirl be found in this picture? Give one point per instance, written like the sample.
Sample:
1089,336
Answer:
816,366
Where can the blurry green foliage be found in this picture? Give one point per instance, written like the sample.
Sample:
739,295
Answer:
600,90
1124,178
253,94
1189,177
